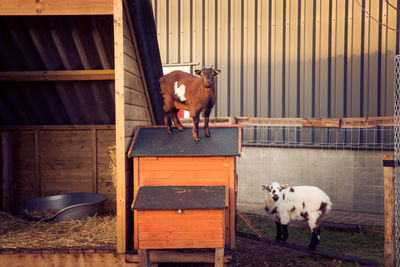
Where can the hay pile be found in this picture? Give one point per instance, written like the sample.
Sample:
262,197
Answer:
91,232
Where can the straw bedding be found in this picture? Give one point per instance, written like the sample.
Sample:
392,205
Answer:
92,232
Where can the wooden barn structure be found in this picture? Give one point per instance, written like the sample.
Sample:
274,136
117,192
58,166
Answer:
76,78
185,191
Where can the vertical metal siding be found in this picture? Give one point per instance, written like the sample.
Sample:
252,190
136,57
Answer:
287,58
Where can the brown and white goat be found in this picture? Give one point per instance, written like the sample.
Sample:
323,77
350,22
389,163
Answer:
181,90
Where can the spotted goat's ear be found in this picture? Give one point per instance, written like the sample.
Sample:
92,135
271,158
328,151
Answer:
285,186
264,187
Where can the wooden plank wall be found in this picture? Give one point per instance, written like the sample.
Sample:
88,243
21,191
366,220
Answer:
50,160
137,104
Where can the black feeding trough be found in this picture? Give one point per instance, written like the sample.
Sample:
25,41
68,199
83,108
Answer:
65,207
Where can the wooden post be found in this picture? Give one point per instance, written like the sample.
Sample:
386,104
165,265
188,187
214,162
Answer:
219,257
248,224
120,151
144,258
8,191
389,188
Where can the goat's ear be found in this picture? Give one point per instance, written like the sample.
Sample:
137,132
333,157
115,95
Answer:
264,187
217,72
197,72
285,186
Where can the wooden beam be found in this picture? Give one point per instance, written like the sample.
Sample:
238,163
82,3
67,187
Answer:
120,125
56,75
144,258
319,122
178,256
389,201
219,257
64,259
55,7
270,121
57,127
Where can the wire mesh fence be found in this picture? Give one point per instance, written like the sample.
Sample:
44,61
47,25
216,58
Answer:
377,138
345,160
397,154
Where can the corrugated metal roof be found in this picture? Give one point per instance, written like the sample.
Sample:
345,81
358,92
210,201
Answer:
39,43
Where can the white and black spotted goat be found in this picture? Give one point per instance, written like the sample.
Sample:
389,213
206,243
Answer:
288,203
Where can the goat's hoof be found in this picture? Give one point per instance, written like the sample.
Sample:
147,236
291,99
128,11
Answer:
197,139
169,131
312,246
180,128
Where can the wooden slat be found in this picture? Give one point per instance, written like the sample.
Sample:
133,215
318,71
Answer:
65,259
270,121
38,178
317,122
178,174
55,7
213,243
56,75
179,256
56,127
200,226
95,188
182,182
142,73
158,234
210,166
8,181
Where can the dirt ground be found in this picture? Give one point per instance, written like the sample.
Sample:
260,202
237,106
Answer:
250,253
254,253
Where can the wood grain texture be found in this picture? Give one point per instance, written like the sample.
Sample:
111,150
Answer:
56,7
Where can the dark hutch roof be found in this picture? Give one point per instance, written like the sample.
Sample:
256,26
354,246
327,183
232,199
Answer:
154,141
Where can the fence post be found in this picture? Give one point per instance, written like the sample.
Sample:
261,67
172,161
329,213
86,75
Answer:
389,188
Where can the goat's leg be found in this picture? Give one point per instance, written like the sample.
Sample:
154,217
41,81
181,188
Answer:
313,223
315,236
167,123
175,119
196,119
285,234
278,236
206,121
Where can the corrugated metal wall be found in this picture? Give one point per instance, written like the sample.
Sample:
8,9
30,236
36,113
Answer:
287,58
